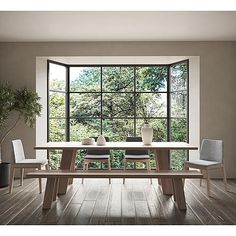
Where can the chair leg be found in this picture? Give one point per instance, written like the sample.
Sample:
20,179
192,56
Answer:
21,176
40,182
84,168
224,178
208,182
124,170
109,168
158,169
201,178
12,178
47,167
149,168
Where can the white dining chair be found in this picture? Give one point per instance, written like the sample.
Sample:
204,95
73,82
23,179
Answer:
141,156
211,157
96,155
21,163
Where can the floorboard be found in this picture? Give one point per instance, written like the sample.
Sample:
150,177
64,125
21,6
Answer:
137,202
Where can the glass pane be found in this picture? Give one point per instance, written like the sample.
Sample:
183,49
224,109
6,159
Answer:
177,159
85,79
151,105
118,105
159,128
151,79
54,159
118,79
84,128
117,159
178,103
118,129
178,129
57,106
57,77
85,105
80,158
57,130
178,77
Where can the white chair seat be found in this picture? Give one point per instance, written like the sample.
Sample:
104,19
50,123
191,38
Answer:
33,161
97,156
203,162
137,157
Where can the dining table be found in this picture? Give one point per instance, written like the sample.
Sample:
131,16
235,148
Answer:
161,152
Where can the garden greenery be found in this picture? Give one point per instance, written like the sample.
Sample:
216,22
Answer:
22,101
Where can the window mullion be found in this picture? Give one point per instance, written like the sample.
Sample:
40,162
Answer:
101,102
67,103
135,132
168,105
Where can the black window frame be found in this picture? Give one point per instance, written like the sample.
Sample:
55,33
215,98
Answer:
68,92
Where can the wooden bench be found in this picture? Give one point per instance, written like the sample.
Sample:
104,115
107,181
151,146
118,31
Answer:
54,176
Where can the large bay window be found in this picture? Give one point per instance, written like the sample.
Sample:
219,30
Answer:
116,100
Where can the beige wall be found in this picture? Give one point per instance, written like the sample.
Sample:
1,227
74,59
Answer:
217,80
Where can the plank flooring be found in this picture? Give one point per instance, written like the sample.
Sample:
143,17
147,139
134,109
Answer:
137,202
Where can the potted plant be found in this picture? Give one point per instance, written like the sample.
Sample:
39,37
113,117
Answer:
26,105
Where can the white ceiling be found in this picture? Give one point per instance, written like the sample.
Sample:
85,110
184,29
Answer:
117,26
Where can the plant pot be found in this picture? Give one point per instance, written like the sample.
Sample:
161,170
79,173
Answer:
4,174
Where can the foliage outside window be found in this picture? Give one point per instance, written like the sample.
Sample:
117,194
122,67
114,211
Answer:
116,100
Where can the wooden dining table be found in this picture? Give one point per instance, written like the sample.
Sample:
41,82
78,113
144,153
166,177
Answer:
160,149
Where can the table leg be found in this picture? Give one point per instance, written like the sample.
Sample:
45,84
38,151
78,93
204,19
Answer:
162,157
67,163
55,189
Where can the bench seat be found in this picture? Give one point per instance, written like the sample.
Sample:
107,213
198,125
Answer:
54,176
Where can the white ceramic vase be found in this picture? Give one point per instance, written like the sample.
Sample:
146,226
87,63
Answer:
101,141
147,134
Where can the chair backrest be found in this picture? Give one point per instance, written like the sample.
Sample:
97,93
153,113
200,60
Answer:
18,150
99,151
212,150
135,152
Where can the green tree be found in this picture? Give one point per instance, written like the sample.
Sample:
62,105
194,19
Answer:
23,101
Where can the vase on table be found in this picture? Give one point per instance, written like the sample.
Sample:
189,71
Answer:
147,134
101,141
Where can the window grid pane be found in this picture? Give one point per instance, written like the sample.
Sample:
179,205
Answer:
57,77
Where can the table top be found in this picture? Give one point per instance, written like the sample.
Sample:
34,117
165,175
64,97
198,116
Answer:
118,145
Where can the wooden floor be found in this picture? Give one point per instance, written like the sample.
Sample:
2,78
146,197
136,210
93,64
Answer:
136,202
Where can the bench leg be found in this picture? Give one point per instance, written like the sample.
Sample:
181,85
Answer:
67,163
174,195
179,196
40,181
49,192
